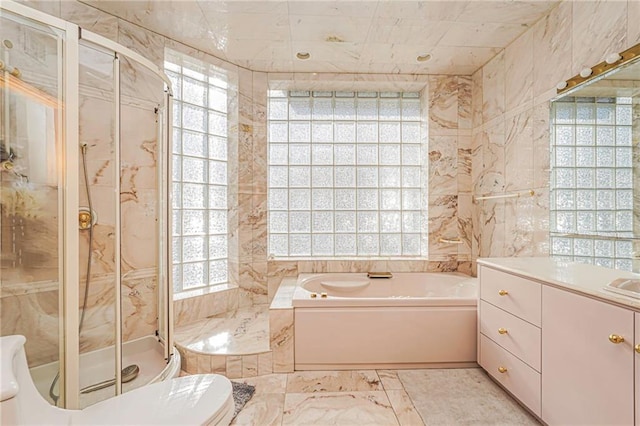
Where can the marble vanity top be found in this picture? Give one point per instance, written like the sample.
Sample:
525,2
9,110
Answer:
577,277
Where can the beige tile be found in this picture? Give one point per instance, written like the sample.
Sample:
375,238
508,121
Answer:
218,364
234,367
262,409
271,383
338,408
390,380
249,365
333,381
404,409
204,364
265,363
281,337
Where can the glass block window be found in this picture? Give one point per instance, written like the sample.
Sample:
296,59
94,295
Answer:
199,172
592,181
345,175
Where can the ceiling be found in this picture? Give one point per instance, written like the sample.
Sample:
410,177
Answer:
340,36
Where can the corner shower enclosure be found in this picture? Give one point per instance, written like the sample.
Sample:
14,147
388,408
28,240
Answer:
76,107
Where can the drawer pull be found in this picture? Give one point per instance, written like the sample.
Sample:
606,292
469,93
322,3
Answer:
502,331
503,292
614,338
323,295
638,348
502,370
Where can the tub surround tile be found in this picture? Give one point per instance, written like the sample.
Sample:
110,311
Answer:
464,164
477,399
443,103
476,98
284,296
281,338
390,380
346,408
333,381
464,102
443,224
403,407
443,165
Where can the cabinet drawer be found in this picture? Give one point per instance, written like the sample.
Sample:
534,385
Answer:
519,337
516,295
520,379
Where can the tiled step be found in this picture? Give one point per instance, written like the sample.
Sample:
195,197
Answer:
235,344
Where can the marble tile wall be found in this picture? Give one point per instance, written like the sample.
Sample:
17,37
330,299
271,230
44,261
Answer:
510,116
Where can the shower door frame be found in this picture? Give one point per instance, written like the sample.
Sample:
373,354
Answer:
68,198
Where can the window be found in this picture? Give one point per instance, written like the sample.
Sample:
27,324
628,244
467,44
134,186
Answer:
346,175
592,181
199,172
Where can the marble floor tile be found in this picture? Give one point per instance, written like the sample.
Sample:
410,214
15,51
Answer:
333,381
338,408
244,331
390,380
461,397
404,409
271,383
262,409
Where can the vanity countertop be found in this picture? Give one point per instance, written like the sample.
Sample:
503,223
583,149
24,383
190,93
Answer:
577,277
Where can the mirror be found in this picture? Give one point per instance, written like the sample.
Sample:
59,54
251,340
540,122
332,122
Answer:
595,170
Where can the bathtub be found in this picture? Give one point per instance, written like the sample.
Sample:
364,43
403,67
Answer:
413,320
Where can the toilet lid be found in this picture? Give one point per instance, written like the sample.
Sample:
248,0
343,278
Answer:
189,400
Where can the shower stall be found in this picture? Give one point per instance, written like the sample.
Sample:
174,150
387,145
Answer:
83,198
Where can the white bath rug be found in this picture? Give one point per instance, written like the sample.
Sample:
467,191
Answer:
242,393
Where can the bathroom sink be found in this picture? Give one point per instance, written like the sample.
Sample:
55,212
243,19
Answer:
625,286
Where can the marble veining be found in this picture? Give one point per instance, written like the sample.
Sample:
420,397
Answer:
346,408
244,331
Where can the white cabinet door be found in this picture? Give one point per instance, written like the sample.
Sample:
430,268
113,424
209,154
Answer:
637,358
586,379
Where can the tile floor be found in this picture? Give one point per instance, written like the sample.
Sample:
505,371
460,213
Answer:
381,397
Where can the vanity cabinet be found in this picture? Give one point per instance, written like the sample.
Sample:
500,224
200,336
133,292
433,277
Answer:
587,371
569,358
510,335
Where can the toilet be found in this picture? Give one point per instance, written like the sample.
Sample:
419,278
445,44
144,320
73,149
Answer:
202,399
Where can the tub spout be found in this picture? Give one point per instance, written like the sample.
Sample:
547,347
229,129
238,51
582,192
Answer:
379,275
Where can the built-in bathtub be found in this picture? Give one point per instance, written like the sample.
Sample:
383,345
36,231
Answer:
413,320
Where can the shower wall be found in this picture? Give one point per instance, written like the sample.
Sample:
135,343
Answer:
511,93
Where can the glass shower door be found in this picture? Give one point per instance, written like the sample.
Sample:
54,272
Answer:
31,182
